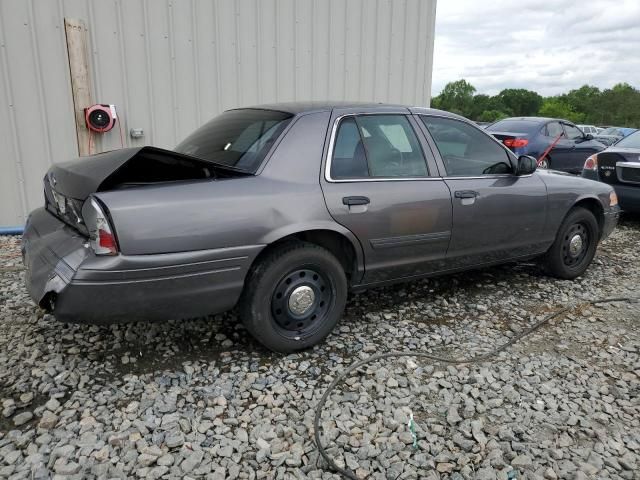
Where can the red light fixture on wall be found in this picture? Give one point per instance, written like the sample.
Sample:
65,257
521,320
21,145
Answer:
100,118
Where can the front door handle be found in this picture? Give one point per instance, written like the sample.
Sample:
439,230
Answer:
466,194
355,201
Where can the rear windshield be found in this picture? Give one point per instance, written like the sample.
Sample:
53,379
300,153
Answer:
632,141
237,138
513,126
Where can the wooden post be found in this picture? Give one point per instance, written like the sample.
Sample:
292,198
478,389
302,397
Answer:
77,49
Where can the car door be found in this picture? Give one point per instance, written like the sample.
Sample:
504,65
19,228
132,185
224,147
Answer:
496,214
581,147
561,156
379,183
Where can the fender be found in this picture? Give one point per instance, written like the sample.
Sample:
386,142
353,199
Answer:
289,230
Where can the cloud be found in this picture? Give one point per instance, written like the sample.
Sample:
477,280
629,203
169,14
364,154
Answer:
547,46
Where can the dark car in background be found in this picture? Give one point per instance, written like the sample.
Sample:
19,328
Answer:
611,135
619,166
533,135
281,209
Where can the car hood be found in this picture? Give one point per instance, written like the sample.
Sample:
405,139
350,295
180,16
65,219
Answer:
565,187
573,183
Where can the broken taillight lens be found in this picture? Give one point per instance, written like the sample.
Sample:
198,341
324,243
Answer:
101,236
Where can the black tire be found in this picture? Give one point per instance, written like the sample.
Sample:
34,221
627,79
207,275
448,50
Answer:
565,261
268,309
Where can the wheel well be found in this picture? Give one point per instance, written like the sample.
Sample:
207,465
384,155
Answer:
339,245
595,207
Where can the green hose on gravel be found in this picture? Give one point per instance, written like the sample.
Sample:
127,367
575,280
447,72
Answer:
477,359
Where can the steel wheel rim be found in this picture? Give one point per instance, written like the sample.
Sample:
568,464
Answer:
301,301
544,164
575,244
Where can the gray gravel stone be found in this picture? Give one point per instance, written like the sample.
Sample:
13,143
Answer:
22,418
196,399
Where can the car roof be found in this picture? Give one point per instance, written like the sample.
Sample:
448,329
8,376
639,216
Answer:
296,108
536,119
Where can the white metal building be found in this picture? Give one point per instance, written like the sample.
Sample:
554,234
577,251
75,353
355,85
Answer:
170,65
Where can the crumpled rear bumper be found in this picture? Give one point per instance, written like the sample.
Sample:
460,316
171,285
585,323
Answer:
52,252
65,276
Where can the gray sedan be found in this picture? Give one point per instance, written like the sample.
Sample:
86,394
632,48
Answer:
281,209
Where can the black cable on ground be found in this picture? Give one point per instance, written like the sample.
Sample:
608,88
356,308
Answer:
477,359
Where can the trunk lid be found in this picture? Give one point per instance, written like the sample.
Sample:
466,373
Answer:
619,165
67,185
514,141
508,135
130,167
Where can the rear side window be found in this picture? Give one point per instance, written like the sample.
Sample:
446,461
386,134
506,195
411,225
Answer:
572,132
383,146
237,138
465,150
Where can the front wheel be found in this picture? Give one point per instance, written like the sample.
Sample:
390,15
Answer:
575,245
293,297
545,163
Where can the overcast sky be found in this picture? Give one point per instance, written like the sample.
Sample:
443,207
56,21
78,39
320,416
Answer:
549,46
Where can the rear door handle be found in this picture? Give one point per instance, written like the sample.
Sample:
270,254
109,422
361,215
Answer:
355,200
466,194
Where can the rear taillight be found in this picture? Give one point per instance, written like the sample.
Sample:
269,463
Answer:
101,236
591,163
516,142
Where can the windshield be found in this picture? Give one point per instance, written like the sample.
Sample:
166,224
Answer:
237,138
632,141
514,126
610,131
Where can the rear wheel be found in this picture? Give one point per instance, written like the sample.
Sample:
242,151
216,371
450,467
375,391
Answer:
575,245
294,297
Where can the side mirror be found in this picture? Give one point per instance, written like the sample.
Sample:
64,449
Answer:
526,165
588,136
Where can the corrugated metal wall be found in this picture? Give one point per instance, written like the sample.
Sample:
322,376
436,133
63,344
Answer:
171,65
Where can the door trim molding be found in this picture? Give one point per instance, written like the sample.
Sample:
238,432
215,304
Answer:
405,240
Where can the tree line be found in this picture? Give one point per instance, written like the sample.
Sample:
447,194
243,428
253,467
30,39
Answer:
618,106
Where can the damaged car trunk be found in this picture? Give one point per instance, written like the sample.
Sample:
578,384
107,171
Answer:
67,185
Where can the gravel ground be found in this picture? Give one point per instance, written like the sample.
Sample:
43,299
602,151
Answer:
199,398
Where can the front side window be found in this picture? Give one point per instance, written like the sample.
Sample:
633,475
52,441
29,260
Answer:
237,138
554,129
465,150
383,146
572,132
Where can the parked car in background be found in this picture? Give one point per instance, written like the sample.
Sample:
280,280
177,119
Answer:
281,209
611,135
619,166
591,129
533,135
